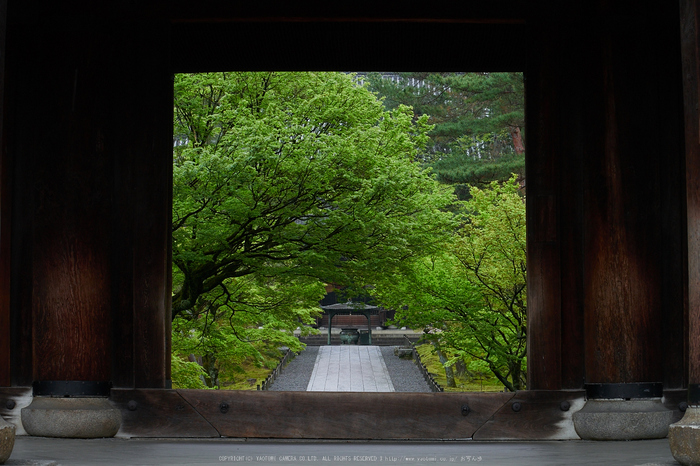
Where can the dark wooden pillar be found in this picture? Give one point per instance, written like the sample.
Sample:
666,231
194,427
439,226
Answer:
633,270
63,203
605,195
142,142
90,142
690,43
555,132
4,219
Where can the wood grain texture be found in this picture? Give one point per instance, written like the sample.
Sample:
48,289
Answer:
543,203
91,213
690,42
159,413
606,225
70,204
540,417
628,296
150,154
347,415
673,269
5,216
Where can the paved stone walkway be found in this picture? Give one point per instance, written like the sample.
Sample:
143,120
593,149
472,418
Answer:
349,368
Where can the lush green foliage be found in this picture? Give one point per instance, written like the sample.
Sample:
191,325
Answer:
230,334
471,298
187,374
478,121
284,181
467,377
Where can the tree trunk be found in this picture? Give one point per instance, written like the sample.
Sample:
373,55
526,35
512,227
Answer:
517,140
209,364
515,376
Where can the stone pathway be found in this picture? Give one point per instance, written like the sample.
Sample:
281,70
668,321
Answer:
349,368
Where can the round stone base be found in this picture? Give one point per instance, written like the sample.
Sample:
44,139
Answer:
622,420
7,439
71,418
684,438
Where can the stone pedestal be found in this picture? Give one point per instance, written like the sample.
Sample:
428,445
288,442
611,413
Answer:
7,440
618,419
71,418
684,438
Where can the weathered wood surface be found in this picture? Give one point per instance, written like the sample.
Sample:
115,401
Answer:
91,233
335,415
159,413
12,400
605,204
633,198
690,47
537,416
346,45
347,415
543,246
673,269
672,400
69,197
442,11
445,11
5,214
622,302
148,153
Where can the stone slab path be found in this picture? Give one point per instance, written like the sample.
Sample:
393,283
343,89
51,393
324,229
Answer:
349,368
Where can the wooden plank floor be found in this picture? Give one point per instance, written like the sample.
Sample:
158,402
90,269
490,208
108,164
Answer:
350,368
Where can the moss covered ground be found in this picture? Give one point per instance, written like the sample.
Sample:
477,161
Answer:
465,382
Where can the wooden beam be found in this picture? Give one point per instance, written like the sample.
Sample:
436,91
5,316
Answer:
441,11
159,413
535,415
345,415
346,46
540,415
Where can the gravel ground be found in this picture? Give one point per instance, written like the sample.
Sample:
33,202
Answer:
295,377
404,373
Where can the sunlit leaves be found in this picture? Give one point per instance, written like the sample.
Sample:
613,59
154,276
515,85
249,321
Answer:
471,298
284,181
